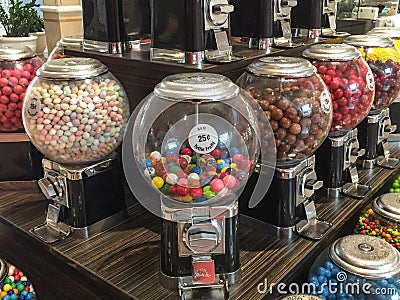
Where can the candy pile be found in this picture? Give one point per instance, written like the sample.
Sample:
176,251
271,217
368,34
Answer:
339,281
16,286
193,177
387,81
297,118
396,186
373,224
351,94
76,121
14,80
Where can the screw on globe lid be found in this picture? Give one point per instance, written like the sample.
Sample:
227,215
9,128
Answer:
72,68
326,52
388,205
281,66
365,256
15,52
197,86
365,40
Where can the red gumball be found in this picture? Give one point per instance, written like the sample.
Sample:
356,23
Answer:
335,106
28,67
26,74
3,82
18,89
322,69
172,190
186,151
23,82
16,73
6,73
216,153
217,185
6,90
196,192
237,158
4,99
182,191
183,162
229,181
14,97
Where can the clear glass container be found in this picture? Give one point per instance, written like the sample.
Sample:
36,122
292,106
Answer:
75,111
384,60
195,139
68,42
382,219
357,267
349,80
295,101
18,66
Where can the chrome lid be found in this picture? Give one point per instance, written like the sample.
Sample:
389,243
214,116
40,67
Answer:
282,66
365,40
366,256
300,297
390,32
74,41
388,205
199,86
15,52
72,68
331,52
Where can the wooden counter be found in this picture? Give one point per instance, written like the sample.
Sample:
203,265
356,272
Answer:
123,262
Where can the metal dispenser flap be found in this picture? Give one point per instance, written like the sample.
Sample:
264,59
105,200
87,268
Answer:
15,52
366,256
365,40
72,68
281,66
300,297
199,86
341,52
388,205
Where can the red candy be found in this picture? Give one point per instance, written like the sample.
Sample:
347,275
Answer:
14,80
347,84
217,185
196,192
186,151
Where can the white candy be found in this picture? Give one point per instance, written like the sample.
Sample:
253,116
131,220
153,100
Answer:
149,171
172,178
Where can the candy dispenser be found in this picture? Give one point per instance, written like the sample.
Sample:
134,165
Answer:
329,20
282,23
194,141
75,113
308,15
20,161
66,43
384,60
357,267
256,30
382,219
298,106
351,86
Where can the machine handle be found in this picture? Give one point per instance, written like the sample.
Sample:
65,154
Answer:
313,184
358,152
390,128
47,188
223,9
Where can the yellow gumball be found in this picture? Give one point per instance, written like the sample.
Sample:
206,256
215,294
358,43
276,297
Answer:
158,182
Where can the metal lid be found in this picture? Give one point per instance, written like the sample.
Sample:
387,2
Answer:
300,297
332,52
281,66
366,256
386,31
388,205
200,86
365,40
72,68
71,41
15,52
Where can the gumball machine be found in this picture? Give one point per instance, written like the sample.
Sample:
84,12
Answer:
382,219
282,23
351,86
194,144
329,20
308,15
66,43
20,161
298,107
384,60
356,267
75,113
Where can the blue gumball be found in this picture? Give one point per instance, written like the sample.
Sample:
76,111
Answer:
199,200
321,271
234,151
196,170
21,297
29,296
329,265
147,163
13,297
328,274
24,293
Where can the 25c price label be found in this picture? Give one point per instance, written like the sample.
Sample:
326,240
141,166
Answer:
203,138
